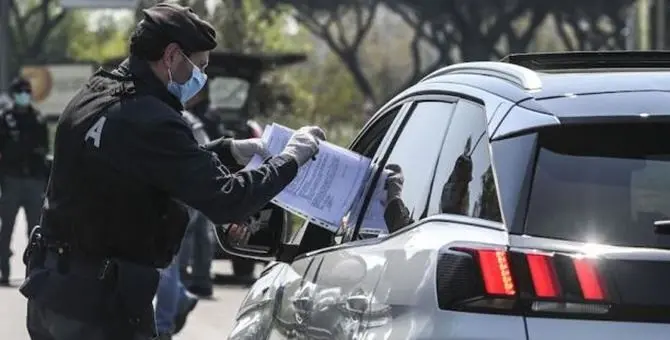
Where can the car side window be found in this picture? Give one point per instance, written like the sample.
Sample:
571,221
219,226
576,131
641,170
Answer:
414,157
464,182
312,237
368,144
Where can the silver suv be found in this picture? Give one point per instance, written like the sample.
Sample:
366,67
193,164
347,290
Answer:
537,195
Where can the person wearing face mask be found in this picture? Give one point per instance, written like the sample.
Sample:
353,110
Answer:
125,166
23,170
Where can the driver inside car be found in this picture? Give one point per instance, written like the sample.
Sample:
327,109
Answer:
454,197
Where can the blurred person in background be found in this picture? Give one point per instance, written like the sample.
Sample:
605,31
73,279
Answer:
200,107
173,301
197,249
24,145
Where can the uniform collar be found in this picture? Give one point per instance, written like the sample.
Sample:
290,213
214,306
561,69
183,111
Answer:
146,81
29,111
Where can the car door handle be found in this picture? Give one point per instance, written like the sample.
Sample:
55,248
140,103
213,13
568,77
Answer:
302,307
303,304
358,303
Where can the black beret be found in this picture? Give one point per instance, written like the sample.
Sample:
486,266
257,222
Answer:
181,25
19,84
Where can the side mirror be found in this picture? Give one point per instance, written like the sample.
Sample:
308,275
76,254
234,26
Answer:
273,225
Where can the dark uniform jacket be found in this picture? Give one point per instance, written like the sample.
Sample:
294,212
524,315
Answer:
124,160
24,143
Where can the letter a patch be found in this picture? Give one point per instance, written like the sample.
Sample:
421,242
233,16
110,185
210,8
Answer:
95,132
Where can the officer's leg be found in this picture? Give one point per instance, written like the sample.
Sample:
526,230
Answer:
167,298
45,324
32,200
185,256
9,206
202,255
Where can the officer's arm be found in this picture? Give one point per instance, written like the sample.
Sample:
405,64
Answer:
167,155
222,149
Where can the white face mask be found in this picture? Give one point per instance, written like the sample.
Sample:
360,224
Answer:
191,87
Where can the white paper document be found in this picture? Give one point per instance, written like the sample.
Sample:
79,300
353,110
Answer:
373,221
325,188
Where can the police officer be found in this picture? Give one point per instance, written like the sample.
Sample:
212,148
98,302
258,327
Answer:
23,150
124,162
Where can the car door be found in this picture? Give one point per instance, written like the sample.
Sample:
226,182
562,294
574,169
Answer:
415,149
272,307
293,301
347,275
286,291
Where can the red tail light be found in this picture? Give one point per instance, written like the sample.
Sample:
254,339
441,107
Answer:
496,272
521,282
529,274
589,279
543,275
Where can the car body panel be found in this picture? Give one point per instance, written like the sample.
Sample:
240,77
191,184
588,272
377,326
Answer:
561,329
607,105
520,120
274,291
559,84
489,100
404,304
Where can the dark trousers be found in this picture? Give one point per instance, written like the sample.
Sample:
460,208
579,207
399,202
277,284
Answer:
45,324
17,192
76,297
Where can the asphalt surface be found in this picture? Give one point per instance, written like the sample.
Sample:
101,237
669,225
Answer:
212,319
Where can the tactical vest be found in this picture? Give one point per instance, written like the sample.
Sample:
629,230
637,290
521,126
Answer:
93,207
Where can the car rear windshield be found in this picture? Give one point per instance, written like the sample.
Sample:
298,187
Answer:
603,183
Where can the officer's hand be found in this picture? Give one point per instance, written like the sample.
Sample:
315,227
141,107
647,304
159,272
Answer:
304,144
244,149
394,181
238,234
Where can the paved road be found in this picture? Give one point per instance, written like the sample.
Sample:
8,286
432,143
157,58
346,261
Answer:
210,320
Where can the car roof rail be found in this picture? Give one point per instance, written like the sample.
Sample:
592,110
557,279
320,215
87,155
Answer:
523,77
584,60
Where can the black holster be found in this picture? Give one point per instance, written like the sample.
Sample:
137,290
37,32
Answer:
108,291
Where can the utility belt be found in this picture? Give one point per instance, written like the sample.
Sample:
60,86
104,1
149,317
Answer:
89,289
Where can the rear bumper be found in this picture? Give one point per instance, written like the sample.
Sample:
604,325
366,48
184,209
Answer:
562,329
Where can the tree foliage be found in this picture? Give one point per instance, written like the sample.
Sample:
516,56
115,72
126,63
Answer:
35,31
361,51
592,25
343,26
109,40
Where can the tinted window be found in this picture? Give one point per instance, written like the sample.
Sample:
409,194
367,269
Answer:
415,152
366,145
513,159
464,182
369,143
602,183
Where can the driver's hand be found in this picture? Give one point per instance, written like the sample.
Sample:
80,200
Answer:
238,234
394,181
